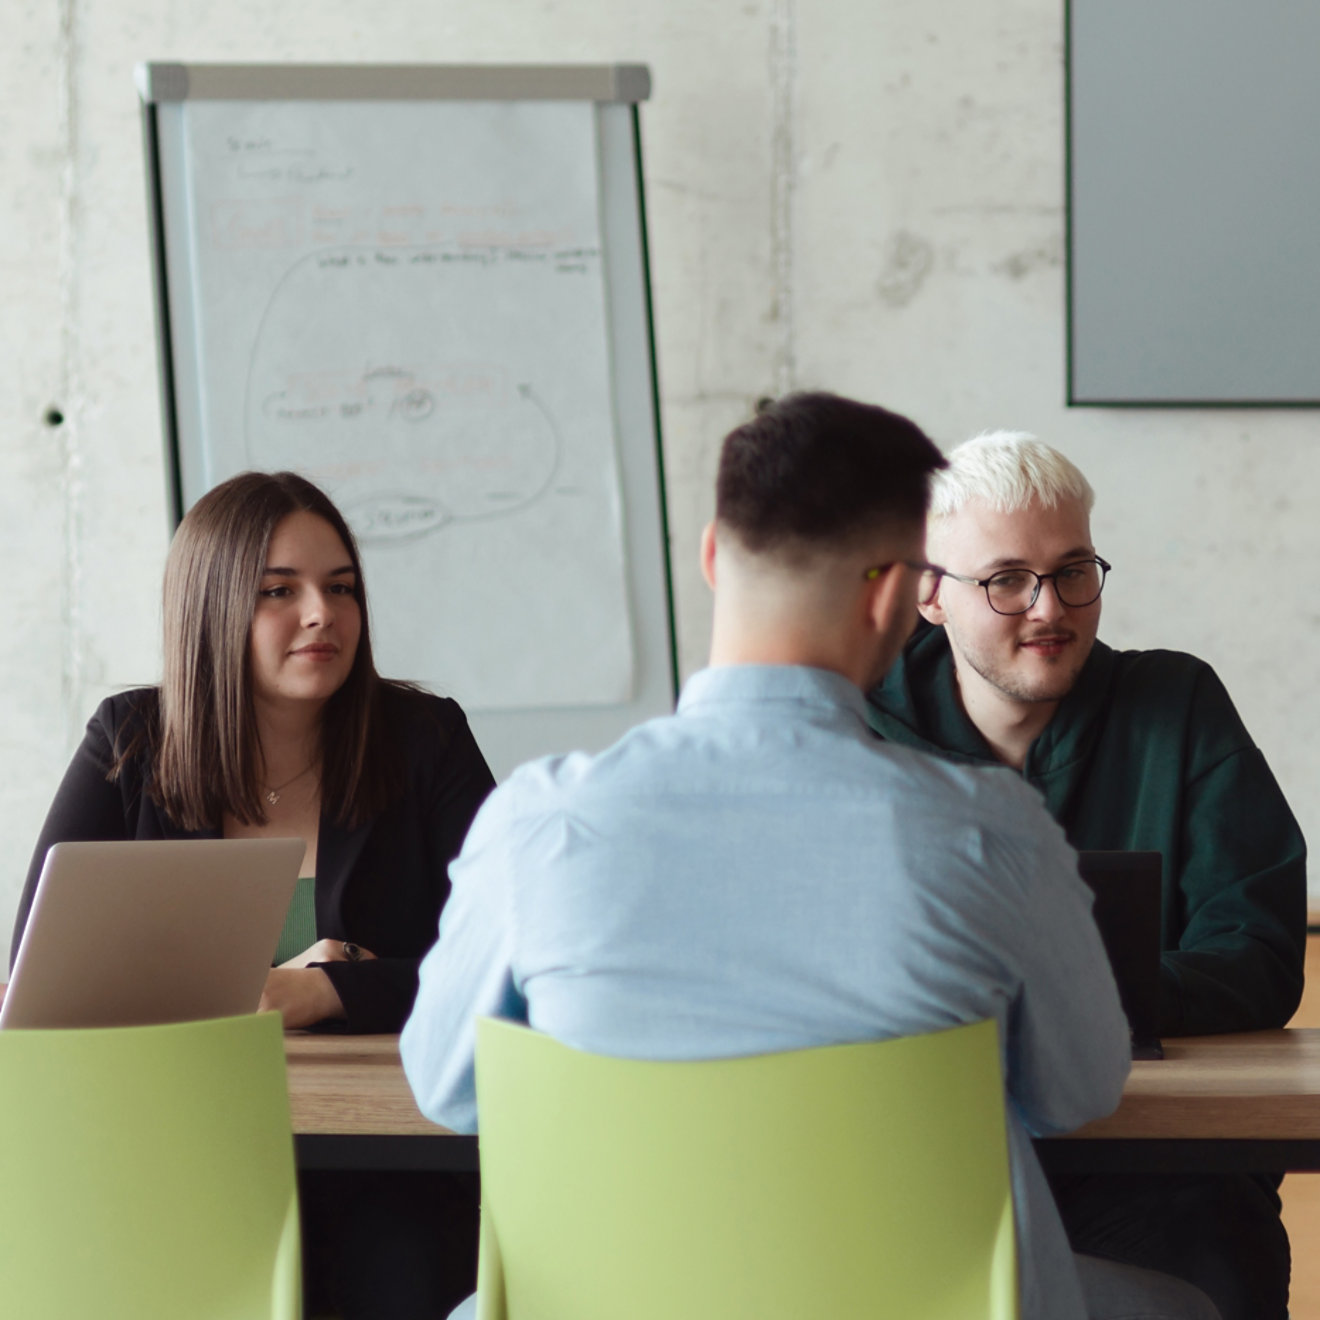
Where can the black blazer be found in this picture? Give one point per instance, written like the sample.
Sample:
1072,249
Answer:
381,885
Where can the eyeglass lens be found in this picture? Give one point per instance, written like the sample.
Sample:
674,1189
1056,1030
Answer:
1015,591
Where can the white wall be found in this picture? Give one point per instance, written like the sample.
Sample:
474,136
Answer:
865,197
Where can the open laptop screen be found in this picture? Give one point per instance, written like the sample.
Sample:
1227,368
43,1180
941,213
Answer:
136,932
1127,911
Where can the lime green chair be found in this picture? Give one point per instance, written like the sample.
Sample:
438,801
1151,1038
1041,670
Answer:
848,1181
147,1172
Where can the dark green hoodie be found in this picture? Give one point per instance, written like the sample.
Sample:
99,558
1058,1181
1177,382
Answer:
1147,752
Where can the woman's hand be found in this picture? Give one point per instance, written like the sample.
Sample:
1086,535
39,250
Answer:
303,995
326,951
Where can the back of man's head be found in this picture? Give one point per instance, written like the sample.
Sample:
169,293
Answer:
1008,470
816,474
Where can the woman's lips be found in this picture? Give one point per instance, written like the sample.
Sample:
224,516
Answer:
318,652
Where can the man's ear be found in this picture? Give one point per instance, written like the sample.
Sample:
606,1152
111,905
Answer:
708,554
888,597
934,611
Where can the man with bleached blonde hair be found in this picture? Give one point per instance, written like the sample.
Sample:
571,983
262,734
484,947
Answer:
1130,750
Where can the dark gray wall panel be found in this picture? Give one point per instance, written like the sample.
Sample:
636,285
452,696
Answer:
1194,157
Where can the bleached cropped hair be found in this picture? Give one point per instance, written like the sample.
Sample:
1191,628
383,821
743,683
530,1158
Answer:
1008,470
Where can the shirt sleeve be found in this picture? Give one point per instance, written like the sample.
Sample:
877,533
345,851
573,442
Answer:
1067,1046
1241,939
469,973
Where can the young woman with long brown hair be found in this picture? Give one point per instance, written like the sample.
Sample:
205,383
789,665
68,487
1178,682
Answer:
271,720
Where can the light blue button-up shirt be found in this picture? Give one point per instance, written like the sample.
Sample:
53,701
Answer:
758,872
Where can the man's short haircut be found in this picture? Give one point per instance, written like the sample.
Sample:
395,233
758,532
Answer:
1008,470
816,472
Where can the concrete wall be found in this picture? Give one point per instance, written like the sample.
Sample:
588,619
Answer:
842,194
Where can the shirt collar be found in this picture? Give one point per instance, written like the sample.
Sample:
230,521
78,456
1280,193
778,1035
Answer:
724,684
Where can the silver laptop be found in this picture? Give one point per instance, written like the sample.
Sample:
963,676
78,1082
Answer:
133,933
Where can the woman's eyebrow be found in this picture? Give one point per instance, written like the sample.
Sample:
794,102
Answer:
275,570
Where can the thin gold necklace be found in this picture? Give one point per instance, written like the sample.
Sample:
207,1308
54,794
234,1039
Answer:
273,794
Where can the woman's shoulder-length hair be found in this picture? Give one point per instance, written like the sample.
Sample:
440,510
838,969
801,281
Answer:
202,744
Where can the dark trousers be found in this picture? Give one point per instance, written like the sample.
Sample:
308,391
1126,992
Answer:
1221,1232
388,1245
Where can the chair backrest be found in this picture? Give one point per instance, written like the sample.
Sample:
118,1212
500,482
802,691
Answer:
148,1172
865,1180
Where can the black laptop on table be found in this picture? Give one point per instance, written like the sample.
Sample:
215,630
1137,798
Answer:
1127,911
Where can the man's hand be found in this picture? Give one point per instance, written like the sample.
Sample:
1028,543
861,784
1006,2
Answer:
304,995
324,951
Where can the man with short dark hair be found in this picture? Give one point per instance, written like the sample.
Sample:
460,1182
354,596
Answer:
758,873
1129,750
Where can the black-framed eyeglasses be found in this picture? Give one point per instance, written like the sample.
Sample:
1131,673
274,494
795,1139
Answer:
929,583
1016,590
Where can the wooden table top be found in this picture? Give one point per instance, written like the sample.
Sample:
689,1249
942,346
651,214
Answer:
1263,1085
352,1086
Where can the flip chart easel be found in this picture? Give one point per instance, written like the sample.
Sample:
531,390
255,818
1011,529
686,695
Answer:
426,288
